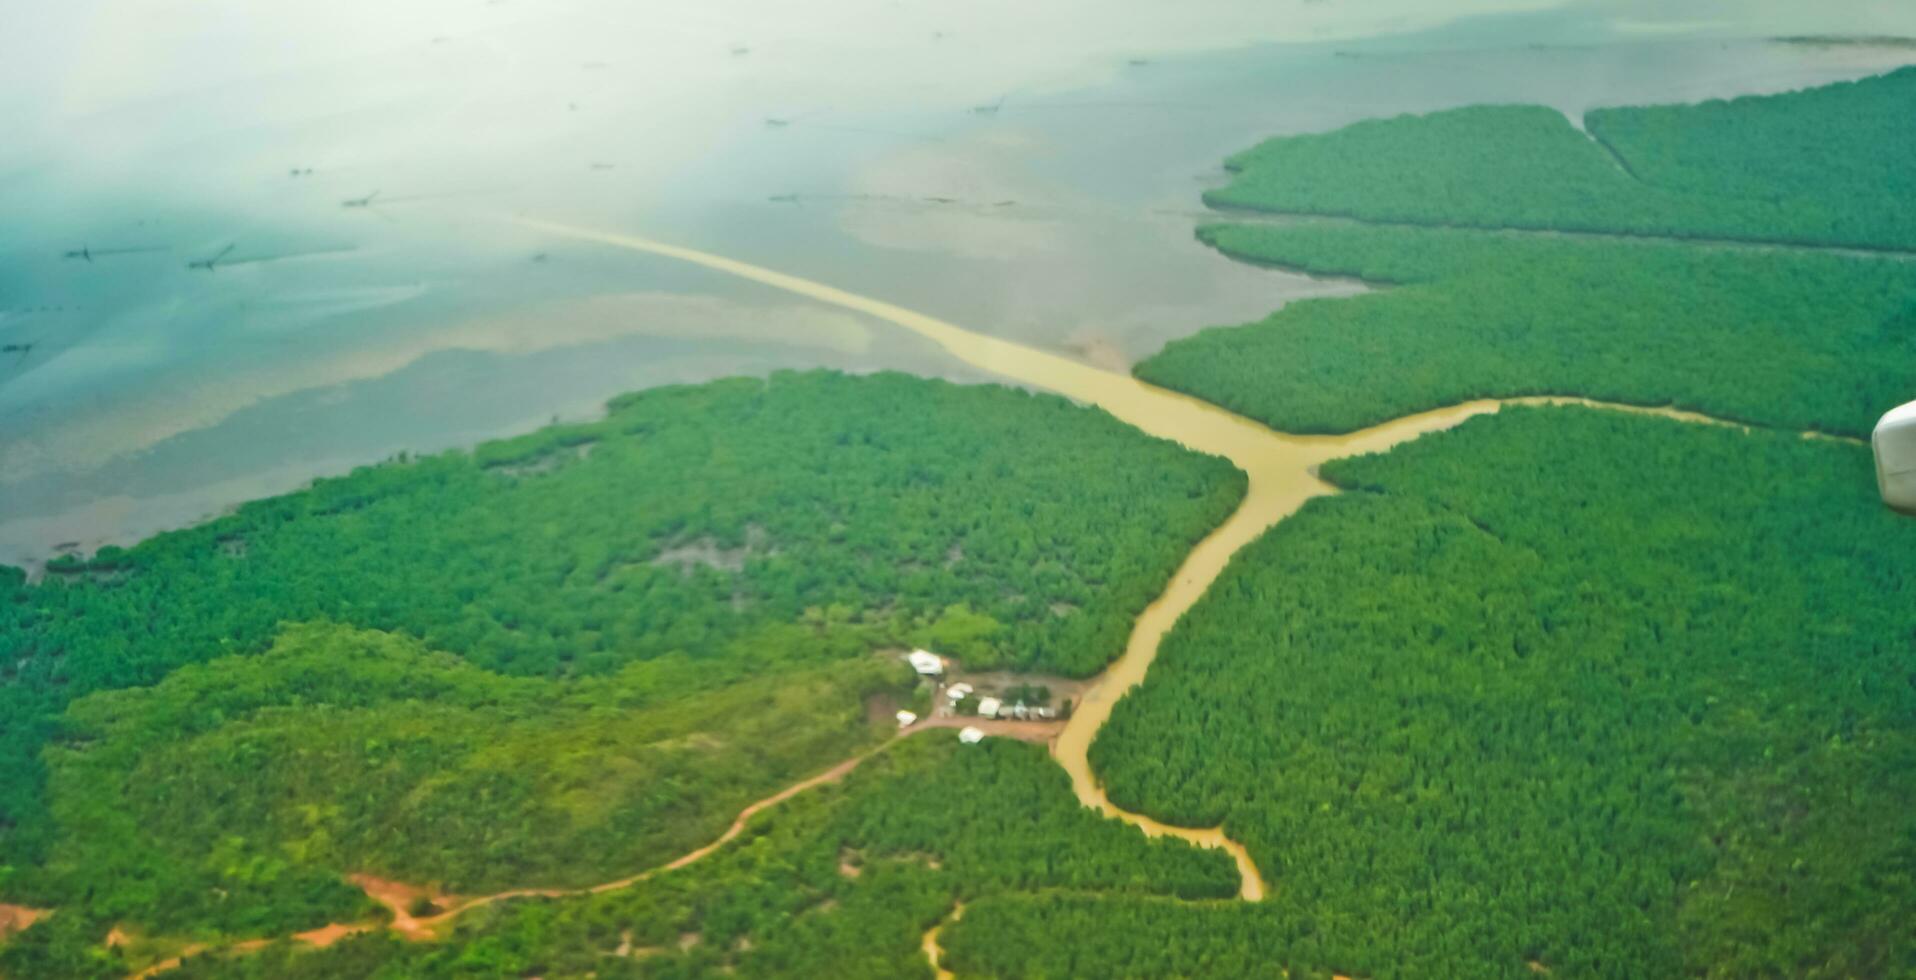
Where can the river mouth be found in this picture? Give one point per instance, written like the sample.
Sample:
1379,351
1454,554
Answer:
1282,477
1281,471
156,397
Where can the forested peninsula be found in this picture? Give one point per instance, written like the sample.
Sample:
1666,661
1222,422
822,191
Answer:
1794,340
1499,242
594,643
1823,166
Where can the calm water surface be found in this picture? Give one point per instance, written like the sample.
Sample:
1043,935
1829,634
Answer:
976,166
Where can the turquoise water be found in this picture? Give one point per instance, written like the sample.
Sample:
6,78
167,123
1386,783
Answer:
331,336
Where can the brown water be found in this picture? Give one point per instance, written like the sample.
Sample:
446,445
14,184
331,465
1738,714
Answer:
1282,477
155,397
1281,469
933,953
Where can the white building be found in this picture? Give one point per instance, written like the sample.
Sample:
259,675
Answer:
926,662
988,707
958,692
1895,445
905,719
971,734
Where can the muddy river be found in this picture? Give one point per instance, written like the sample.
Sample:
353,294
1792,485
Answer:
1281,468
1039,191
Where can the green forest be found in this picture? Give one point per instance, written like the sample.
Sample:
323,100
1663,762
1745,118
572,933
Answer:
1561,691
655,616
1823,166
841,881
1788,339
1617,695
236,796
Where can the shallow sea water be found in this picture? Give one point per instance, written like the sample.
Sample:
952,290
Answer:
1027,183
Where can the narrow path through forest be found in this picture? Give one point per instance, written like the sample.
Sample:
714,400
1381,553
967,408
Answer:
398,896
1282,477
1281,469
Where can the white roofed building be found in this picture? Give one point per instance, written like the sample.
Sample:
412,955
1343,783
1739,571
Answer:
1895,443
971,735
988,707
926,662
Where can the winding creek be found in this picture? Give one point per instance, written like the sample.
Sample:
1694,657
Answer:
1282,478
1281,469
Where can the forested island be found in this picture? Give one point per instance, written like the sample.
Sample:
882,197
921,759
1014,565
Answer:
1562,691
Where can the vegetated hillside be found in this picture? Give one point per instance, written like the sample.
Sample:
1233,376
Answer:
1054,935
236,795
1617,695
1006,527
1787,339
841,881
1834,165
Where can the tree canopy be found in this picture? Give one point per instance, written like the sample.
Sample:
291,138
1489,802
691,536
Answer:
235,796
1792,340
1822,166
1617,695
840,881
694,538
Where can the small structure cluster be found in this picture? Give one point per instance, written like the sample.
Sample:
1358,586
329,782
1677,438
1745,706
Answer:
994,696
996,708
926,663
